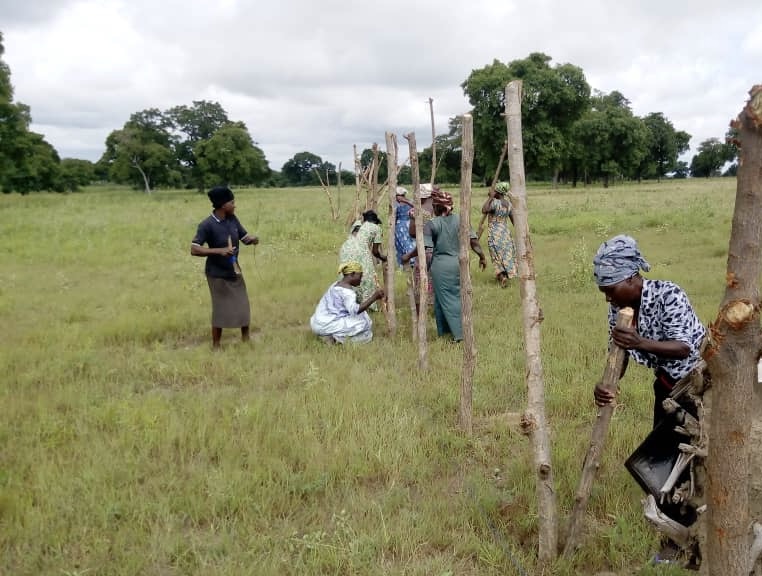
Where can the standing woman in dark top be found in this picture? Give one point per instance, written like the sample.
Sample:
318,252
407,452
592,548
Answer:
221,232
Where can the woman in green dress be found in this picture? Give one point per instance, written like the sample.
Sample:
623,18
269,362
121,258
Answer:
363,248
442,247
499,241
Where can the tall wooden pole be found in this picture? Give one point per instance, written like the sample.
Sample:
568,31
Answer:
373,188
433,143
533,420
423,279
466,289
732,361
391,257
338,189
358,170
610,382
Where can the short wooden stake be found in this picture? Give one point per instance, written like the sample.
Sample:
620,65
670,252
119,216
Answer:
611,375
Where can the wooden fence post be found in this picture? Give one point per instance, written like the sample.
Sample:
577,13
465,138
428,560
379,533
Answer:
533,420
391,258
465,412
610,381
423,280
358,170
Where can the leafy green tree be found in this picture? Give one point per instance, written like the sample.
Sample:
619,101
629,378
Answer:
229,156
76,173
608,141
665,144
711,157
6,88
299,170
554,98
142,152
191,125
448,159
27,161
37,166
347,177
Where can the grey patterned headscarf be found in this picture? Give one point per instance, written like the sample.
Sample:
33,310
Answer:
618,259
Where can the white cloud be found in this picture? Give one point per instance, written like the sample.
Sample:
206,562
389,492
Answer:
321,76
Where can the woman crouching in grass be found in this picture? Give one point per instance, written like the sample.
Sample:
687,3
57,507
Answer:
338,317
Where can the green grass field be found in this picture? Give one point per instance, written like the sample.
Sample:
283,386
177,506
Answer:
128,447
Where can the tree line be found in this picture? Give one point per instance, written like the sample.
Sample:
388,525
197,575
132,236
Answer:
571,134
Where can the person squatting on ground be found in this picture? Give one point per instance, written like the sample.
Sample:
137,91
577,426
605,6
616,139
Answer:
442,242
221,232
338,317
499,212
666,336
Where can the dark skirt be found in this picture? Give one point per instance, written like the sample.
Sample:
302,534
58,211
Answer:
230,302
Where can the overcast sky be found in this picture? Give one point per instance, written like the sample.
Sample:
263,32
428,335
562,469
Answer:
322,75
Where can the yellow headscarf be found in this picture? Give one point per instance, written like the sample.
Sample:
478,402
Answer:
349,267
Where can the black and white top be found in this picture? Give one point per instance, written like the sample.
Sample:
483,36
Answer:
666,314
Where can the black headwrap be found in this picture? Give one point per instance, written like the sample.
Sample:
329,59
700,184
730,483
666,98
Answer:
220,195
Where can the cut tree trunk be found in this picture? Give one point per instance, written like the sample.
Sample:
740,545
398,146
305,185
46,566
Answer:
611,374
732,361
423,280
533,421
391,257
465,413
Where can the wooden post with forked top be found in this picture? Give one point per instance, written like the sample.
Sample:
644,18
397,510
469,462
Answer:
391,258
533,420
592,462
465,413
423,279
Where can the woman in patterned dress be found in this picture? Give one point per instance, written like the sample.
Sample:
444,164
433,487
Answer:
366,247
666,334
427,213
499,241
403,242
